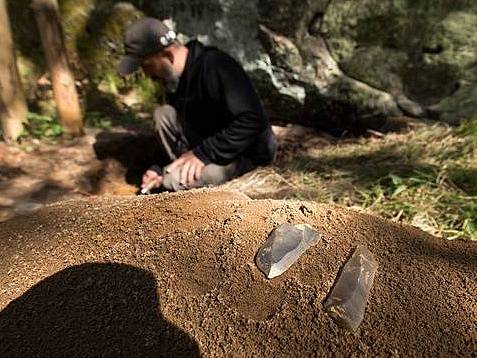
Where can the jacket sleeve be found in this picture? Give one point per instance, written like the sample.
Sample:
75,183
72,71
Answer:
228,84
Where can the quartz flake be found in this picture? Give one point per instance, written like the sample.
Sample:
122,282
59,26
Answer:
348,298
284,247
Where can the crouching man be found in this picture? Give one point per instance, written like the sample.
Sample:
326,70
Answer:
214,127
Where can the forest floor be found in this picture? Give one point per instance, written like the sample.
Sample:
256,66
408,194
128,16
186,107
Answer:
118,274
425,176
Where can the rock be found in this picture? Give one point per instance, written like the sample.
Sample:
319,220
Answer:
410,50
331,64
284,247
349,296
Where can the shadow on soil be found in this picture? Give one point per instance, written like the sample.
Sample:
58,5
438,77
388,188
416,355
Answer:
134,151
92,310
9,172
465,179
18,192
367,169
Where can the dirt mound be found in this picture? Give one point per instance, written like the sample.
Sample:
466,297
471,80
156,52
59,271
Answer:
175,273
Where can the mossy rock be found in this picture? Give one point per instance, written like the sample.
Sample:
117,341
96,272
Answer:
424,48
93,32
464,102
99,43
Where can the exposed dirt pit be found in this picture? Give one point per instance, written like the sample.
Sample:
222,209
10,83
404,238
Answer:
174,274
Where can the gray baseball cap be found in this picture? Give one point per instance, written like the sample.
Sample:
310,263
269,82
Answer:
142,38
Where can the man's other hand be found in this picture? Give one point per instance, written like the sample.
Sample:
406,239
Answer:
191,168
150,176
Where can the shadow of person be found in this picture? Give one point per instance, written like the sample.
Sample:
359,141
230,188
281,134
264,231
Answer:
135,151
107,310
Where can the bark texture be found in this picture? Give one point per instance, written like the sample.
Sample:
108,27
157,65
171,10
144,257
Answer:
13,108
66,97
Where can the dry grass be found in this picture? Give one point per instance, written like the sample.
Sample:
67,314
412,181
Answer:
426,177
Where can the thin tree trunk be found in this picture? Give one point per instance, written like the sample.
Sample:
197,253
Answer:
66,97
13,108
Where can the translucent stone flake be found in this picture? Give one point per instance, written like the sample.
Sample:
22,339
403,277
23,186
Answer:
285,244
348,298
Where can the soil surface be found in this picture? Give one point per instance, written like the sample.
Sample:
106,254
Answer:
174,274
111,162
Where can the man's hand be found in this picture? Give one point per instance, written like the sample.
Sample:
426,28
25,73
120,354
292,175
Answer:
149,177
191,168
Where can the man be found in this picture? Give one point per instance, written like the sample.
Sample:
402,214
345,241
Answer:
214,127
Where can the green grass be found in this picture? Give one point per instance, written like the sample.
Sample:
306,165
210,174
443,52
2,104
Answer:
42,126
426,177
98,120
106,121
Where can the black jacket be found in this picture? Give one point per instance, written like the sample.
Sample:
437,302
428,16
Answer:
218,102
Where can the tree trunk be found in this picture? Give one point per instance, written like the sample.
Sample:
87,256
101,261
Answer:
66,97
13,108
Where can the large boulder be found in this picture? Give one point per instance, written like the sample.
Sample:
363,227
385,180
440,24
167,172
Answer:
420,52
328,63
331,62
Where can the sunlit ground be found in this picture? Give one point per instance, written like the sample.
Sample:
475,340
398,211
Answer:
426,177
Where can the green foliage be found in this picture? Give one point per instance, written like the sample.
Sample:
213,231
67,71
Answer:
468,129
42,126
128,116
148,90
429,200
101,120
98,120
426,177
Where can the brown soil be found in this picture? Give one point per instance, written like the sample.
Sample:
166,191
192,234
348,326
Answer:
174,274
111,163
100,163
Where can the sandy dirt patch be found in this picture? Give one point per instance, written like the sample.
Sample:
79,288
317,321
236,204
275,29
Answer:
175,273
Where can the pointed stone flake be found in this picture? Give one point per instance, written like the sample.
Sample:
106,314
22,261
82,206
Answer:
348,298
285,244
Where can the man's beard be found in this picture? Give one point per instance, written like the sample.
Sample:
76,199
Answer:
169,80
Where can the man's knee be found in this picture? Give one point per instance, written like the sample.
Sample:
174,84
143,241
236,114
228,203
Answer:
171,181
211,175
214,175
165,117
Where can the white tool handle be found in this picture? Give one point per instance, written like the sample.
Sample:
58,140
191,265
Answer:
148,187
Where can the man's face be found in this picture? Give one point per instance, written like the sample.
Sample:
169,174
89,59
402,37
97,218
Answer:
159,67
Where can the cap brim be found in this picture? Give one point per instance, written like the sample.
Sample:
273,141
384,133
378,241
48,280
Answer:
128,65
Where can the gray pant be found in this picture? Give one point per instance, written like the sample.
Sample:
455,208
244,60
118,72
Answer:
174,140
